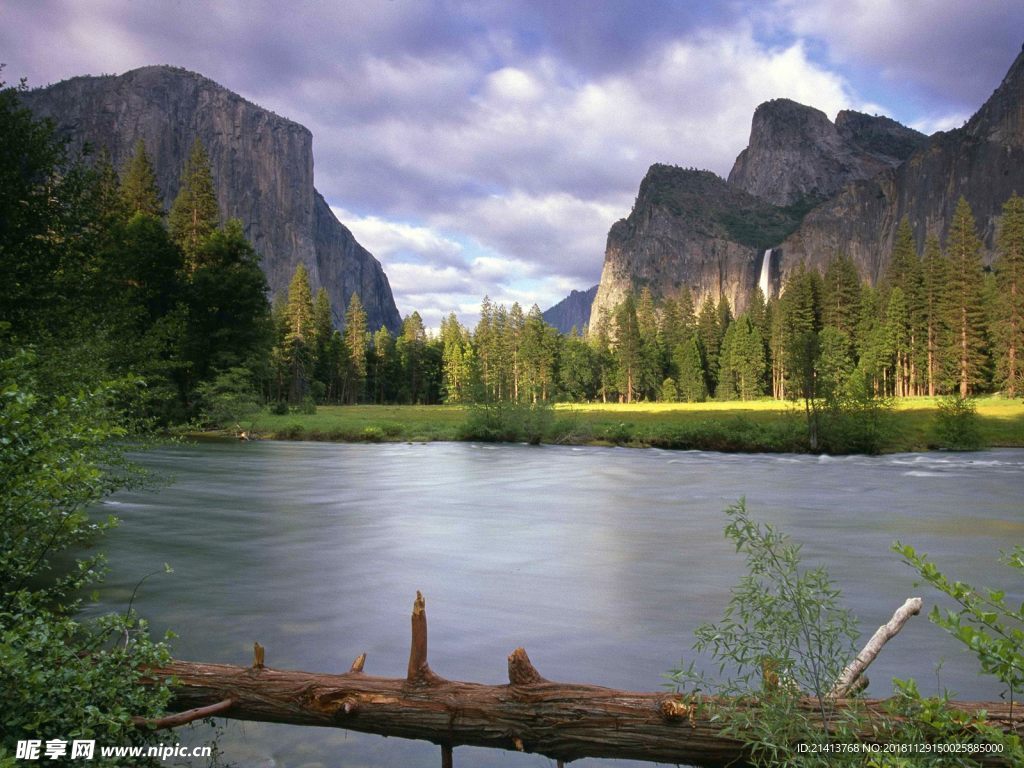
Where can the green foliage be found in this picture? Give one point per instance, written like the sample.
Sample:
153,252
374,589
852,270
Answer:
508,422
855,420
783,636
985,622
139,190
993,630
1008,327
58,675
228,398
194,214
956,424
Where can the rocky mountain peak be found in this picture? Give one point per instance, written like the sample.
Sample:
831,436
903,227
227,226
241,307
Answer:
262,167
796,153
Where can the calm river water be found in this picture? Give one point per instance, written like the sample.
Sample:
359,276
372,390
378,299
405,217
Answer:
600,561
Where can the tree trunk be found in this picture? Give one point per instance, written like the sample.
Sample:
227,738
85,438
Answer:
530,714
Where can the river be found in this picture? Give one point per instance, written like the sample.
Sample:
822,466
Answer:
599,561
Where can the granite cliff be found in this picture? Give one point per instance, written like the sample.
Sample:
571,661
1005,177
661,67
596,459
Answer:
983,161
262,168
796,152
572,312
806,188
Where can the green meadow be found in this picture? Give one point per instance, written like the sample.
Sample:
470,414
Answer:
760,425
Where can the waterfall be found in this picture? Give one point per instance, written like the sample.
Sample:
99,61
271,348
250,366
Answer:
764,281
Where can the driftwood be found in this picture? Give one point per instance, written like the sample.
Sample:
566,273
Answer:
848,679
562,721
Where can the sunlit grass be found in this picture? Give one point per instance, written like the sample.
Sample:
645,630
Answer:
1001,422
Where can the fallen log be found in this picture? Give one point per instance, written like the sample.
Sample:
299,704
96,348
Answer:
531,714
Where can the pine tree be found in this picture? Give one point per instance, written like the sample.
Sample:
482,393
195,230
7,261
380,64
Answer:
324,362
964,304
485,340
538,356
840,304
651,370
512,342
1008,329
604,356
898,340
138,186
709,336
627,349
299,335
455,361
690,372
385,362
194,213
356,347
934,271
411,351
228,314
577,370
905,273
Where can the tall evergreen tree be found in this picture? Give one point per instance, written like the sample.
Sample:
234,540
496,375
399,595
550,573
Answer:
898,335
709,336
577,369
905,273
651,371
1008,329
690,382
411,351
228,314
964,301
742,365
194,213
298,339
627,349
604,356
934,276
840,304
139,190
385,366
538,356
456,361
356,348
325,364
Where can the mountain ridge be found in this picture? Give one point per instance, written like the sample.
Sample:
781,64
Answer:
848,184
262,166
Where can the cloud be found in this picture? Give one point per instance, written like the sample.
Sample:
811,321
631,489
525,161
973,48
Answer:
937,55
487,147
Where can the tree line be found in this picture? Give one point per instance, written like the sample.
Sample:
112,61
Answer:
938,322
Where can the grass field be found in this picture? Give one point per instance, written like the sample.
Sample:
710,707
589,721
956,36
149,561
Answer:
758,425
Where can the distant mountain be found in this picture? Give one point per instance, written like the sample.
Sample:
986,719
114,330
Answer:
572,312
806,188
262,168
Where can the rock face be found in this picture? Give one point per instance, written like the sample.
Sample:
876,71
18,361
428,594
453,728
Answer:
262,168
796,152
572,312
983,161
690,228
808,188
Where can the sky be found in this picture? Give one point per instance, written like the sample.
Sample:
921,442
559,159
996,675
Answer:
486,146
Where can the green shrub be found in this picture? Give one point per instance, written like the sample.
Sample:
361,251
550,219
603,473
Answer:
506,422
61,677
956,424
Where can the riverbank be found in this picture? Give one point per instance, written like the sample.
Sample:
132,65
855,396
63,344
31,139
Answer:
762,425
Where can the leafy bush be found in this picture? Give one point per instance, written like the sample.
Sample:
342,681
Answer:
783,636
956,424
500,421
229,398
61,677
